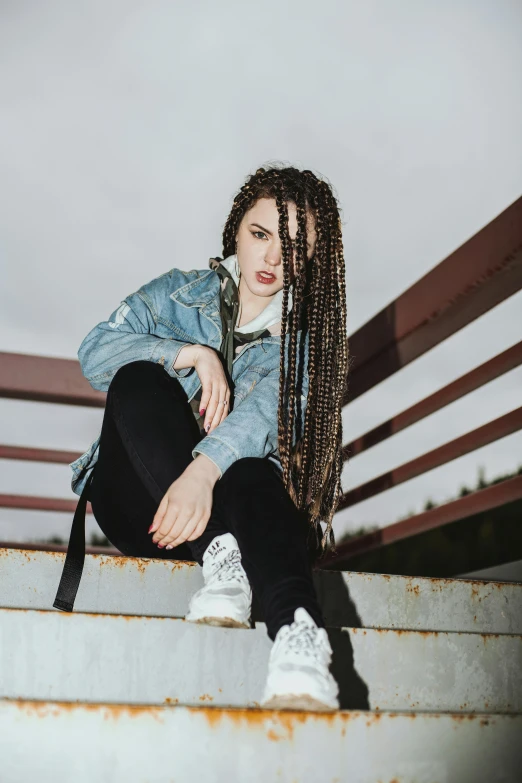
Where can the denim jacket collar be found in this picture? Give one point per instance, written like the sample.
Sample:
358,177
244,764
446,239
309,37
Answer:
203,291
199,292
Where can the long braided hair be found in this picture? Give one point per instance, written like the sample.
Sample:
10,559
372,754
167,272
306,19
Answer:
312,468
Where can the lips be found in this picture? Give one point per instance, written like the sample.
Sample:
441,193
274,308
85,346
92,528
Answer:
267,276
264,280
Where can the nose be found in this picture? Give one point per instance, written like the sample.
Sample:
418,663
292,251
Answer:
274,254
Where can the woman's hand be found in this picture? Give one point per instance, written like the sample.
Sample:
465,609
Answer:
185,509
214,386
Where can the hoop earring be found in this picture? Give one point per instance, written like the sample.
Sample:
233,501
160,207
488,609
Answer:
238,269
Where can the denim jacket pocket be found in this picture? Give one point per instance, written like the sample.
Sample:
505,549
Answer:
247,381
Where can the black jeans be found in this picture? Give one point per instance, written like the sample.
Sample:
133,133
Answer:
147,438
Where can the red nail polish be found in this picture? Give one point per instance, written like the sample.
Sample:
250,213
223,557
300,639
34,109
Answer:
160,546
150,528
202,411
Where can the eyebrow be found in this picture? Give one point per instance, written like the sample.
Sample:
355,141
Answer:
266,230
262,229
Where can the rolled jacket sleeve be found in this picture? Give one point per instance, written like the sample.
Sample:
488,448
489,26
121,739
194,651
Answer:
251,429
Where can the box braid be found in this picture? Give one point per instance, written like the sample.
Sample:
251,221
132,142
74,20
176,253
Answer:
312,468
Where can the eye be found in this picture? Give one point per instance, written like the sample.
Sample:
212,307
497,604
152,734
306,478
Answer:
258,232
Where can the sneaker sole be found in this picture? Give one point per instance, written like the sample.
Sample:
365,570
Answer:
222,622
297,702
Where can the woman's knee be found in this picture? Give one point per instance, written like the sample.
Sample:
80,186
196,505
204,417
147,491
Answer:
248,471
254,482
134,374
137,381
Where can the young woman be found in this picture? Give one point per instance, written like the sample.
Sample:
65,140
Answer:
221,438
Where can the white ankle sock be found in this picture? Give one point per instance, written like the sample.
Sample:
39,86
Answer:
219,547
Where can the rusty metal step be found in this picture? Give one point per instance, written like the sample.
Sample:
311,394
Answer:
127,585
56,742
151,660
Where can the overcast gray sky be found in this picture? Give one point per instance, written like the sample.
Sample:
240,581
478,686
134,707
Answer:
126,128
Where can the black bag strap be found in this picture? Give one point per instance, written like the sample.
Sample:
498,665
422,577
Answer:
73,566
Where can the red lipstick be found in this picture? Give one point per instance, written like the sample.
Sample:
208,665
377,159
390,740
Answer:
263,278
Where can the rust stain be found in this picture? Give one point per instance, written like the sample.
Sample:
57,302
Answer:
410,715
466,716
278,724
139,563
116,711
177,564
475,593
110,711
439,582
486,636
401,631
102,560
107,615
30,555
206,697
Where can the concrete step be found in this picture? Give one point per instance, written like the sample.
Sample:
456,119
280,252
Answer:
54,742
127,585
150,660
503,572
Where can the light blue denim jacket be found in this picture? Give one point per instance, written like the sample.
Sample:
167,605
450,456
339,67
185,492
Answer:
182,308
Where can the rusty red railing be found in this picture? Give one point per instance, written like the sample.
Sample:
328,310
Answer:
484,271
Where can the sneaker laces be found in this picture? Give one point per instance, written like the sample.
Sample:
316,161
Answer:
304,639
230,568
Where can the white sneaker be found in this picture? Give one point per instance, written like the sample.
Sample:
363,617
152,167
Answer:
226,597
298,669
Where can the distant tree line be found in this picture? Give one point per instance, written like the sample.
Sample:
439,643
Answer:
479,541
95,540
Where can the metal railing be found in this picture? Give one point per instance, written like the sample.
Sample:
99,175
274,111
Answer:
480,274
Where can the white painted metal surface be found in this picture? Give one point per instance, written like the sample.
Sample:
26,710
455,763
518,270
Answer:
505,572
126,585
149,660
419,603
60,743
136,667
120,585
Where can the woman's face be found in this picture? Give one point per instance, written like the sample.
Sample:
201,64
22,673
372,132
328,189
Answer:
259,246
